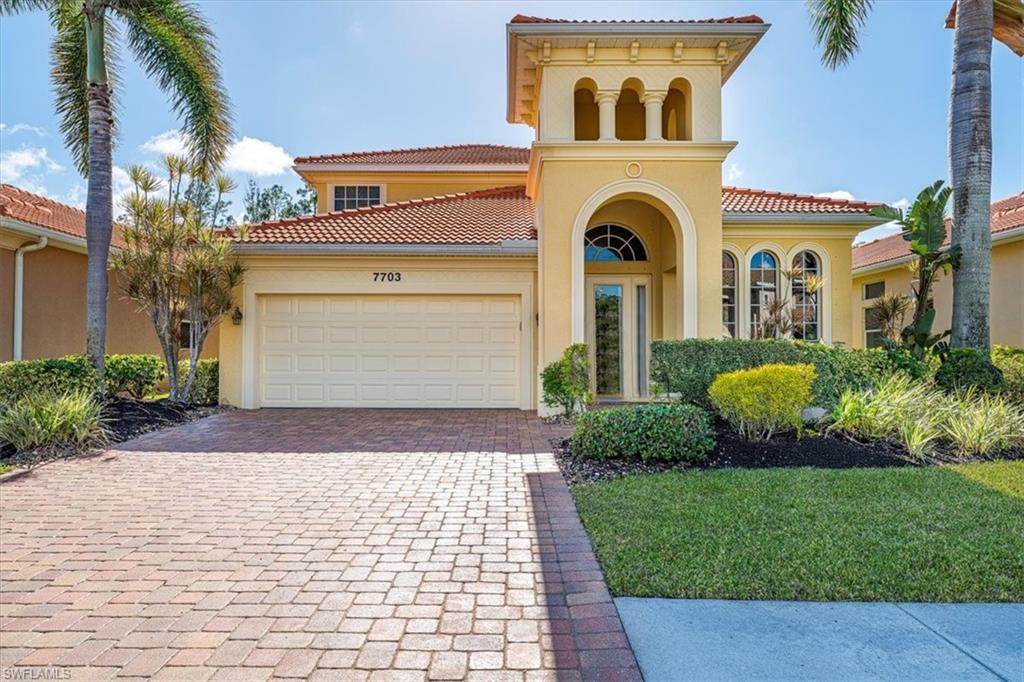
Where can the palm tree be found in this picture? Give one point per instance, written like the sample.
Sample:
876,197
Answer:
175,46
837,24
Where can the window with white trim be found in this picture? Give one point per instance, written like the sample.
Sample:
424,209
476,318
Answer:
764,289
806,283
874,290
729,291
874,337
355,196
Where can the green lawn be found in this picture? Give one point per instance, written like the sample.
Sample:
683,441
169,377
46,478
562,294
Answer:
928,534
4,468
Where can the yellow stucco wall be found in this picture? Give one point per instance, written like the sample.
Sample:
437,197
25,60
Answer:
239,345
405,186
1006,303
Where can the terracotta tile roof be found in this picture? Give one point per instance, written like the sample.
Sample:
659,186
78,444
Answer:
1007,214
458,154
482,217
749,19
742,200
17,204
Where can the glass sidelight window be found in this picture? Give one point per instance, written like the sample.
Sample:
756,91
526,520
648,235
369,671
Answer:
641,340
608,339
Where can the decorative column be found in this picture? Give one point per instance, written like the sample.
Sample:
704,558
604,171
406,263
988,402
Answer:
606,114
652,108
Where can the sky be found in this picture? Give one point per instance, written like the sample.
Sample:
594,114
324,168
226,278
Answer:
325,77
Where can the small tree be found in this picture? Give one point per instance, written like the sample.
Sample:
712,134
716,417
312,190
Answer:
890,311
566,382
779,318
177,268
924,226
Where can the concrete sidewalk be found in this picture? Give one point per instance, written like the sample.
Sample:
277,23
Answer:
696,639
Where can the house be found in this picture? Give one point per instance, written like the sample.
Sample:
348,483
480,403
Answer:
881,267
450,276
42,284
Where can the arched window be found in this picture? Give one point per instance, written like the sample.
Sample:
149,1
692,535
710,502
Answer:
585,110
612,243
764,292
806,283
729,291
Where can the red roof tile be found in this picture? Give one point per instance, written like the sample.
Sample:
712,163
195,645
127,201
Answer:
1007,214
742,200
17,204
749,19
481,217
459,154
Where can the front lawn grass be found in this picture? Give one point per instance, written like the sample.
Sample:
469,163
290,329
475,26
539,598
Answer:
900,534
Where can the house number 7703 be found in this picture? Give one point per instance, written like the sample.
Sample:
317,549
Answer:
387,277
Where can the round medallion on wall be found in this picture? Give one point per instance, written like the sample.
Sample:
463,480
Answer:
634,169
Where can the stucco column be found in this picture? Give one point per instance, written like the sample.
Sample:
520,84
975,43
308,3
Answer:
652,108
606,114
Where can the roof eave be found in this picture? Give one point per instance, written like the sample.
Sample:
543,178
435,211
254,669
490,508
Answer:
891,263
410,168
57,238
819,218
509,248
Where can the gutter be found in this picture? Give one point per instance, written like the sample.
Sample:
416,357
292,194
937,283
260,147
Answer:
411,167
522,248
19,290
1003,236
60,239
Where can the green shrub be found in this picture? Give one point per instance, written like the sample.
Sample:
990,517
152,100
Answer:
1010,362
964,368
39,420
765,400
566,382
134,374
658,431
918,416
206,387
51,376
687,368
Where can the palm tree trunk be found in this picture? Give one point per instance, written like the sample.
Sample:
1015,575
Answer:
970,155
98,207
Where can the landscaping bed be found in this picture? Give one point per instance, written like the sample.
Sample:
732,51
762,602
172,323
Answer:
949,533
123,419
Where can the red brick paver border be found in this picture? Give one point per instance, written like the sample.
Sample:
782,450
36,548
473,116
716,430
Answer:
320,544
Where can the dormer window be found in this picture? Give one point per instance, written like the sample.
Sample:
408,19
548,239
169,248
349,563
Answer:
356,196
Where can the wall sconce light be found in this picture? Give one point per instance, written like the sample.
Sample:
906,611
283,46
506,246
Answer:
236,317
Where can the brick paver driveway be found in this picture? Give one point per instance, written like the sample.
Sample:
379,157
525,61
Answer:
337,544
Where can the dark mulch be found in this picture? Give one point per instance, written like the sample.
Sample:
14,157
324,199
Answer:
125,419
732,451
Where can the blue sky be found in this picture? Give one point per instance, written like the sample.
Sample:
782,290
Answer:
321,77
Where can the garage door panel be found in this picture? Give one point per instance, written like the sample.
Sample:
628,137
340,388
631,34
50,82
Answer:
441,351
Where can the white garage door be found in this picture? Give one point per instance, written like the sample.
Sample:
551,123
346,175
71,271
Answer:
389,351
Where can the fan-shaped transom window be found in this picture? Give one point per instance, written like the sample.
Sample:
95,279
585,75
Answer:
611,243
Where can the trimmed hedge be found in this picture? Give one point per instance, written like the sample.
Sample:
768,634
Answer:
53,376
137,375
1010,362
764,400
206,387
657,431
687,368
964,368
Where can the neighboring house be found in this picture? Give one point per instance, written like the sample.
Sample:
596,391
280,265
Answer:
450,276
42,299
882,267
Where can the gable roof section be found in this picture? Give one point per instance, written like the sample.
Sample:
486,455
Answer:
483,217
489,216
743,200
1007,214
450,155
33,209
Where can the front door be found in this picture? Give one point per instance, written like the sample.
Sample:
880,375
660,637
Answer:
618,334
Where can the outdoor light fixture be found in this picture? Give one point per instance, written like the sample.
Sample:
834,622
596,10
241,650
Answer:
236,317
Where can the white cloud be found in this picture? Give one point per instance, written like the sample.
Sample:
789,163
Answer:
735,173
257,157
76,197
902,204
122,186
26,167
169,142
21,128
840,194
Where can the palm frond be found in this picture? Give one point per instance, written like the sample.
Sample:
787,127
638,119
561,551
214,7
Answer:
68,56
19,6
837,25
175,45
